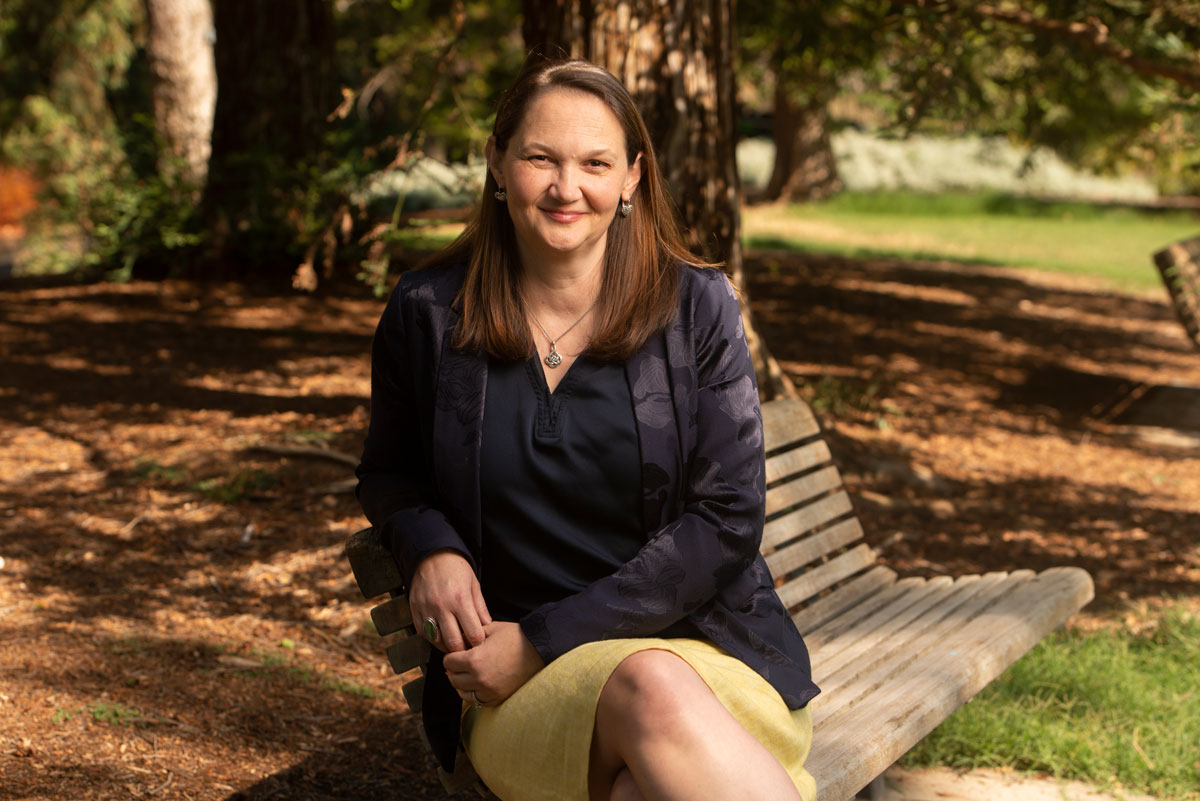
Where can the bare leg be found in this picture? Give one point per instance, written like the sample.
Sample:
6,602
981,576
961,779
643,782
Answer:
661,735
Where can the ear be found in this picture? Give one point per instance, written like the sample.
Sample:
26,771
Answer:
632,180
493,159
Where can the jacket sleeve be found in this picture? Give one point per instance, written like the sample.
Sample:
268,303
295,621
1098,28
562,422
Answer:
395,486
716,538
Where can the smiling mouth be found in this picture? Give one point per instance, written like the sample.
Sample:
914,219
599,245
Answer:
563,216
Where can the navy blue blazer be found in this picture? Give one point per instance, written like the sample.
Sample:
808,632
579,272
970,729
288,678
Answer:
699,430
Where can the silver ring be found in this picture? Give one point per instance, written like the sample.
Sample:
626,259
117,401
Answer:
478,703
429,628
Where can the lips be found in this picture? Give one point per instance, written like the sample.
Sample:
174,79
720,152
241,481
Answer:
563,216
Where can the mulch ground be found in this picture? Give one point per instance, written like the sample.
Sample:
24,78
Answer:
176,617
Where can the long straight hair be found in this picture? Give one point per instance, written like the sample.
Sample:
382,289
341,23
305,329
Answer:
643,252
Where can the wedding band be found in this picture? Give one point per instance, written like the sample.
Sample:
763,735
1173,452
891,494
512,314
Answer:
478,703
430,628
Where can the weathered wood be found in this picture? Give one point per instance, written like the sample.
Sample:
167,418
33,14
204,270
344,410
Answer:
1179,265
795,492
910,644
374,569
810,549
408,653
844,599
413,693
890,628
805,519
894,592
786,422
859,743
820,578
797,460
392,616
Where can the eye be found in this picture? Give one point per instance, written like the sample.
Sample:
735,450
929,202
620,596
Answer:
597,165
539,158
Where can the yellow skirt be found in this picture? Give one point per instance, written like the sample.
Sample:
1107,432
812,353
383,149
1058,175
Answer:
536,745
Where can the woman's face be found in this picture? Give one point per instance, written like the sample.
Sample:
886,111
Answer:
565,171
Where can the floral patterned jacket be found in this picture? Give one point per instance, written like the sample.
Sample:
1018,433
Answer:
700,434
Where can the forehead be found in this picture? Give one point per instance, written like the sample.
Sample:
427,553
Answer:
571,116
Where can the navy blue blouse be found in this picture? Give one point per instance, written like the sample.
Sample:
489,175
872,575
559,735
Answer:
560,483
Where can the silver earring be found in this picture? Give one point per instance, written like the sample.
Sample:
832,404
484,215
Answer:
626,208
500,195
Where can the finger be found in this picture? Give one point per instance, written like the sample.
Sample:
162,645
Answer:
481,607
451,637
419,623
473,629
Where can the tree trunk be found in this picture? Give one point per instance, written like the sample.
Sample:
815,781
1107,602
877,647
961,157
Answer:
805,168
274,62
677,58
180,49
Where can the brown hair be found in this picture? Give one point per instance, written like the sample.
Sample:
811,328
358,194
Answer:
639,290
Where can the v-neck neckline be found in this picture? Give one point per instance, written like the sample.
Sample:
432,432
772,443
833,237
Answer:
534,364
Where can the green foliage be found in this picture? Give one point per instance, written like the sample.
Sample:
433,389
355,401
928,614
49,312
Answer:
950,69
238,487
75,111
1114,708
116,714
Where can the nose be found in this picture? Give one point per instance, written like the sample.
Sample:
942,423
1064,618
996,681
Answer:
565,188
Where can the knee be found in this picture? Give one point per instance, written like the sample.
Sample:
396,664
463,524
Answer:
651,692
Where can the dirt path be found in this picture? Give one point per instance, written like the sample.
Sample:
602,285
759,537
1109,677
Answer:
176,616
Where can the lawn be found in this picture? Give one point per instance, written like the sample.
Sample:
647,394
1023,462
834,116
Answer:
1115,707
1112,243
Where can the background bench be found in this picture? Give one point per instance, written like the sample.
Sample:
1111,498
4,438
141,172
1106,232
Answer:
1180,268
893,657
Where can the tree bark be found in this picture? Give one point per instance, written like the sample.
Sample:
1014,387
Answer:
805,168
274,63
180,49
677,58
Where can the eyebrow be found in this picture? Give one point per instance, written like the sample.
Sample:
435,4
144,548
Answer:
603,152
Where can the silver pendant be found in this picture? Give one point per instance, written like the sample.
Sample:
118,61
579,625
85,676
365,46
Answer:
552,358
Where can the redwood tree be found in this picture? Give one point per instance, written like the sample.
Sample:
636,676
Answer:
274,62
677,59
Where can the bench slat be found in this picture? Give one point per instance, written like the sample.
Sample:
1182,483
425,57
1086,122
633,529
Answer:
374,569
812,548
819,578
890,629
392,616
785,422
801,489
844,598
414,691
848,688
797,460
859,743
899,592
408,653
805,519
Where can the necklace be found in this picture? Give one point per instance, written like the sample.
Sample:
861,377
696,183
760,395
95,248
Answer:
553,359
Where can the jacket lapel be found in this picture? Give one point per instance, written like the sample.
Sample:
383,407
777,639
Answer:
658,438
457,434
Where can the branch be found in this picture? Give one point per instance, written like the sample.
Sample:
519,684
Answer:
1092,33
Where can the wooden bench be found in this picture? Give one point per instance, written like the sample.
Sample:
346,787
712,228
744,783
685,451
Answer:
1180,267
893,657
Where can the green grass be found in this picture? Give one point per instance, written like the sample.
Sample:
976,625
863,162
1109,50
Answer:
1112,243
1113,708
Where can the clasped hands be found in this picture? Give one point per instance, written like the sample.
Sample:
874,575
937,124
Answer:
486,661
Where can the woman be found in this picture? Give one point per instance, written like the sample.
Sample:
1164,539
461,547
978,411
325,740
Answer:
565,459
